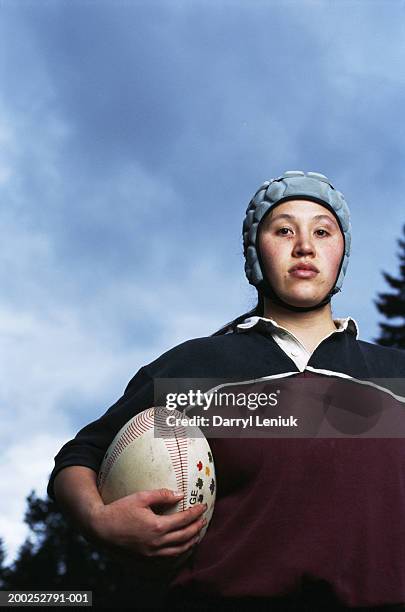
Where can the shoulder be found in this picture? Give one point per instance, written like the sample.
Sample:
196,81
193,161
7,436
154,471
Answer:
204,356
383,358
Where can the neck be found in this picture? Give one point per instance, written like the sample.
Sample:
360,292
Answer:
309,327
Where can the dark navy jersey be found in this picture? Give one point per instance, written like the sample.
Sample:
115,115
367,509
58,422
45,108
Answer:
329,509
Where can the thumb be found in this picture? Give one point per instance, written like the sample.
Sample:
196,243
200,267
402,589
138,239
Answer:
161,496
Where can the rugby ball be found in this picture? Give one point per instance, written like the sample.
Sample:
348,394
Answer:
158,448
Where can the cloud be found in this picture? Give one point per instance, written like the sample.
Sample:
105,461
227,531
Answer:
65,361
132,137
23,465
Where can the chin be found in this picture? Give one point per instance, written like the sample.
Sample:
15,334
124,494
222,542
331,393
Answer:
302,300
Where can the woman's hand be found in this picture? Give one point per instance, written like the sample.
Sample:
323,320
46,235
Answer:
131,527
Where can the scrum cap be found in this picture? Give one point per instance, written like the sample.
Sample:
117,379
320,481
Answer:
293,184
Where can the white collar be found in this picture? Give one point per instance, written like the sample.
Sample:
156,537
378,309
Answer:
289,343
341,325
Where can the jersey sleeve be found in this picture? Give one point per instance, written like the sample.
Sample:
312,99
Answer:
90,444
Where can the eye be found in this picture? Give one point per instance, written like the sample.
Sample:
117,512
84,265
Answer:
325,233
283,231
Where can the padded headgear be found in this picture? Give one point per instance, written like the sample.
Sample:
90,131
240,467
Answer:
293,184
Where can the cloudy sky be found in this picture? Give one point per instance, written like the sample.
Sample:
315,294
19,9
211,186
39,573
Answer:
132,137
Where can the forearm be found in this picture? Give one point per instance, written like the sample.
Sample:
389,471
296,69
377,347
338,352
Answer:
128,528
77,496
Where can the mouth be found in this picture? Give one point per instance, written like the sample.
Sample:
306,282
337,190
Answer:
303,270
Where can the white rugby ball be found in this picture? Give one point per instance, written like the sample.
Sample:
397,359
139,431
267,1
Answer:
147,453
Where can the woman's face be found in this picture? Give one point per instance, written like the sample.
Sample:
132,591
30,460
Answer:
301,233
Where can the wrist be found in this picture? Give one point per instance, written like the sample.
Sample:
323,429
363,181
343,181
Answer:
96,524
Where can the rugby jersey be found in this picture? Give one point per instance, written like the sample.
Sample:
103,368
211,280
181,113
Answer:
289,511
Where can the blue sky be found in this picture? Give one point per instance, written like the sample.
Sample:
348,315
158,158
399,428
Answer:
132,137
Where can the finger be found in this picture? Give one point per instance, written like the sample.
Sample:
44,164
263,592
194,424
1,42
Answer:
178,520
159,497
183,535
174,551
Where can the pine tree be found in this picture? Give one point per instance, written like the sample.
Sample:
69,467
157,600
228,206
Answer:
4,572
56,557
392,305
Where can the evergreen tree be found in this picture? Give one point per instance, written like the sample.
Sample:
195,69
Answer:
56,557
392,305
4,572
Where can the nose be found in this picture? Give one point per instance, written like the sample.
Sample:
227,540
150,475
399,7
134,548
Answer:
303,245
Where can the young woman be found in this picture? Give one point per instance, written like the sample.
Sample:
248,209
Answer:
299,523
